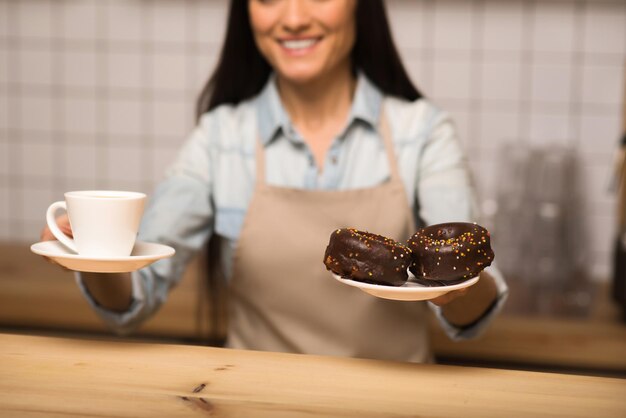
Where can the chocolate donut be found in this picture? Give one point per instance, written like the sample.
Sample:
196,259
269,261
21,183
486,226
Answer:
367,257
449,253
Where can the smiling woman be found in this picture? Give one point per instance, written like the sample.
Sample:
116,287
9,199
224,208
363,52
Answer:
315,49
243,70
305,42
308,46
308,124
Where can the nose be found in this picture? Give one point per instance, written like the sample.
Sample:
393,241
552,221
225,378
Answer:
297,16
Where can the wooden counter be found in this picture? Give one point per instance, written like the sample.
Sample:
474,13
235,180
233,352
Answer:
43,376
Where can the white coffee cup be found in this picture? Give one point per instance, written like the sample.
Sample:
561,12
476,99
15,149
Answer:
104,222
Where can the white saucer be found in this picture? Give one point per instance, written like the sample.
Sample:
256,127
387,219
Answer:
411,290
144,253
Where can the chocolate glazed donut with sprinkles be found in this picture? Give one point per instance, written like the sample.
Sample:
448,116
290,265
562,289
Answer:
367,257
449,253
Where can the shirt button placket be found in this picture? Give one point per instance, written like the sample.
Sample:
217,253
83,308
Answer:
331,172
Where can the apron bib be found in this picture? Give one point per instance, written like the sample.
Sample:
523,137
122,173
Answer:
283,299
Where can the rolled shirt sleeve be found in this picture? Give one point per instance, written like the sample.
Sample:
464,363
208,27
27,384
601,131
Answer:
445,194
478,327
179,214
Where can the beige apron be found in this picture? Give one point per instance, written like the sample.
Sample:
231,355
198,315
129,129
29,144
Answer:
283,298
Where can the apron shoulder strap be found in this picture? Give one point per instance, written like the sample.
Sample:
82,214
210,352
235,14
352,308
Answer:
386,133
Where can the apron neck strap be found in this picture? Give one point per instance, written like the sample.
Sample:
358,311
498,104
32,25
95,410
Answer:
384,130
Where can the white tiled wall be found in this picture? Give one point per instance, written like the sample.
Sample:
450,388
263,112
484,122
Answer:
99,94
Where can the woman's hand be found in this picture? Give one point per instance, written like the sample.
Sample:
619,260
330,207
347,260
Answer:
64,225
465,306
114,293
449,297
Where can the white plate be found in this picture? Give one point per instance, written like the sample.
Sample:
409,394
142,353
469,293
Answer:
144,253
411,290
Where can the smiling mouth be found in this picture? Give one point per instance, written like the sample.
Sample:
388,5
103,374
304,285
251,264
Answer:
299,45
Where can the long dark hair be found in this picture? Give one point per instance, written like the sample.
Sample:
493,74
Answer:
242,71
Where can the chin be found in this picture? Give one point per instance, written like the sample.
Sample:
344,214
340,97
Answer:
300,75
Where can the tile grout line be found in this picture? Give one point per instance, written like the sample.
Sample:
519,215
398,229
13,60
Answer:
476,86
4,108
428,53
130,46
526,76
577,63
474,127
78,92
14,117
148,106
58,110
102,94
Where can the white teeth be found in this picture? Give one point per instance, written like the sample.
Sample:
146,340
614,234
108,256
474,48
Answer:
299,44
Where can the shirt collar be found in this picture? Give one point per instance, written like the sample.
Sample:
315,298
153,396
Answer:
273,117
270,111
367,102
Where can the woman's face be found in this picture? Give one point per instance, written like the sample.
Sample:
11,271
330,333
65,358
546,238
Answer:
304,39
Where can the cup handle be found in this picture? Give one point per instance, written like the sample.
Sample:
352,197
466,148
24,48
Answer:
56,231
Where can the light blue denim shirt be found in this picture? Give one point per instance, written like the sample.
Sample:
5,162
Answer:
209,186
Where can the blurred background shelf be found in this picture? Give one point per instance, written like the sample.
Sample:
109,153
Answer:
38,295
593,343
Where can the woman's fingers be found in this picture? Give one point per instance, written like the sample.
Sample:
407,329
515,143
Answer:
449,297
63,222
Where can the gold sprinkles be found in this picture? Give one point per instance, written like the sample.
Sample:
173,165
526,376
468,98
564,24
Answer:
452,241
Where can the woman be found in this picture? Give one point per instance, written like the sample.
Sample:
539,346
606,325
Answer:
309,123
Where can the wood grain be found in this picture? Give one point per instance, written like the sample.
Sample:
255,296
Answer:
62,377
